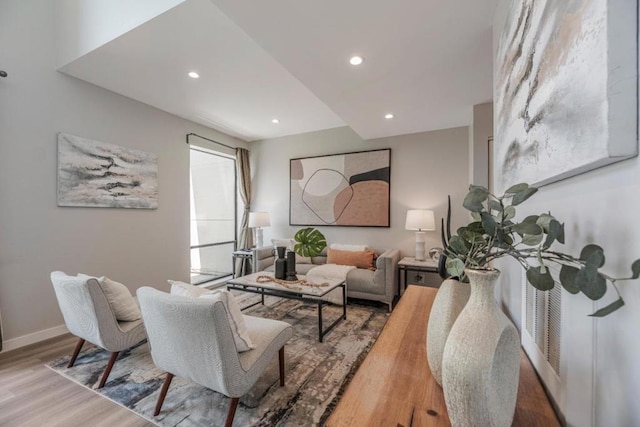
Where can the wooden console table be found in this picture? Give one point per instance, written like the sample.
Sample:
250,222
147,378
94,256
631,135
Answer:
394,386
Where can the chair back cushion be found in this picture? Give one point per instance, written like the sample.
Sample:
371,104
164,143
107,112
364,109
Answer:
122,303
186,289
236,319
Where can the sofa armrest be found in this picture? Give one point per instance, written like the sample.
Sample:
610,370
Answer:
262,258
387,271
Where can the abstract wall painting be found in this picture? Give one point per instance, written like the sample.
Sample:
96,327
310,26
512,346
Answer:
565,94
98,174
349,189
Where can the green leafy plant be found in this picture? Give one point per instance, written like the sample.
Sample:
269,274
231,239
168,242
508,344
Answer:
494,233
309,242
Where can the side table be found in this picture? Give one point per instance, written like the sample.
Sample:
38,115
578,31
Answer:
242,254
422,273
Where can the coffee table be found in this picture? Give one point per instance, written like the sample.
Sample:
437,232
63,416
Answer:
308,294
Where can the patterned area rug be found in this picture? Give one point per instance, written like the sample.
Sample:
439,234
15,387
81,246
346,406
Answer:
316,373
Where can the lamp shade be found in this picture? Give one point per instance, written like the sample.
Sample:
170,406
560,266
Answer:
259,219
420,219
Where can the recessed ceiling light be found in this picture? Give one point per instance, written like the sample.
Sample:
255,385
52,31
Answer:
356,60
388,116
275,121
193,75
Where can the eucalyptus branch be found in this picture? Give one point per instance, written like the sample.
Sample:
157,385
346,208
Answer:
493,236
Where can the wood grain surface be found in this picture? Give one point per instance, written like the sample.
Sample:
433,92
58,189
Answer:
394,386
33,395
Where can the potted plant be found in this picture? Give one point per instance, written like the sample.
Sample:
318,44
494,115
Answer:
309,242
480,359
494,234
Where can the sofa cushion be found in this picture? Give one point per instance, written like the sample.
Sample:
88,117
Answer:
304,268
361,280
322,258
360,259
352,248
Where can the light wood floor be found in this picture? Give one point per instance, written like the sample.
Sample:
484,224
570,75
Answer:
33,395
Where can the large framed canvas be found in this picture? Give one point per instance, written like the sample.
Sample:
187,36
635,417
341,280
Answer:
348,189
98,174
566,88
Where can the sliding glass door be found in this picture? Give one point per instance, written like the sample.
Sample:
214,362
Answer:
213,214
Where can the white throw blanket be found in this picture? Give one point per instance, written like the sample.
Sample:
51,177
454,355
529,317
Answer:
331,271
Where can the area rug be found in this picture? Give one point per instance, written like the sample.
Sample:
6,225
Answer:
316,373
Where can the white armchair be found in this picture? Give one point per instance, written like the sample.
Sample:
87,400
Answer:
192,338
89,316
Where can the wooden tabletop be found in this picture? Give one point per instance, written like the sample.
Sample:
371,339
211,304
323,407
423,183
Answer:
394,386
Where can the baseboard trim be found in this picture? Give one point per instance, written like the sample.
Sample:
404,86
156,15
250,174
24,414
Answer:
33,338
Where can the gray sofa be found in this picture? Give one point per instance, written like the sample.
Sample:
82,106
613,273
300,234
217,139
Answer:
380,284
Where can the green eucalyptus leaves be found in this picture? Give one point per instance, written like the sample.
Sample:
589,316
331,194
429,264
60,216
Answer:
309,242
494,233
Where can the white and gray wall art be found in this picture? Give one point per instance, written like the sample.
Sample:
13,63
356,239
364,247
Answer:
98,174
566,96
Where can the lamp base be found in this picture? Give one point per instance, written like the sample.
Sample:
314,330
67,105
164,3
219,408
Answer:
259,240
420,240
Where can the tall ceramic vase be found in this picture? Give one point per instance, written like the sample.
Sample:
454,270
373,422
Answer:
449,302
481,360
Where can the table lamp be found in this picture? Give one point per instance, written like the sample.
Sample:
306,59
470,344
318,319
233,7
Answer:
257,220
420,219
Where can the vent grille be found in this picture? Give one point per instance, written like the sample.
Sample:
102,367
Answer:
554,316
543,321
540,324
529,296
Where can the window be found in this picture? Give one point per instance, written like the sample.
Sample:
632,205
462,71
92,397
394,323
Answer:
213,214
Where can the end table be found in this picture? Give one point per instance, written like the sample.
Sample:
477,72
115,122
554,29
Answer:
423,273
246,266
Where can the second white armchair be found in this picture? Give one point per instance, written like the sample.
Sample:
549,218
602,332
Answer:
192,338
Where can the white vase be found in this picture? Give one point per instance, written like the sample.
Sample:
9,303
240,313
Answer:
481,360
449,302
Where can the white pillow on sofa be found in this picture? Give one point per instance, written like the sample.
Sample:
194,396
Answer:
122,303
290,244
350,248
236,319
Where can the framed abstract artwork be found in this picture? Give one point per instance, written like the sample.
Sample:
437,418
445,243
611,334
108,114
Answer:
566,88
348,189
98,174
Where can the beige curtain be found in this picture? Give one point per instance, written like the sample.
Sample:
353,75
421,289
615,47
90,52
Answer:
245,239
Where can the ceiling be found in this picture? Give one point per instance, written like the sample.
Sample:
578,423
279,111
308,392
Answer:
426,61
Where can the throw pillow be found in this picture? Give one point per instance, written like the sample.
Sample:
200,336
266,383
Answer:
122,303
236,319
185,289
352,248
362,259
291,244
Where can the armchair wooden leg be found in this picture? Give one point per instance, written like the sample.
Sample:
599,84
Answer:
163,393
281,360
232,411
107,370
76,351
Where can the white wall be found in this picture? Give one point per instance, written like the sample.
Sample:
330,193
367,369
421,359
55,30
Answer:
425,168
84,25
134,246
482,131
600,372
